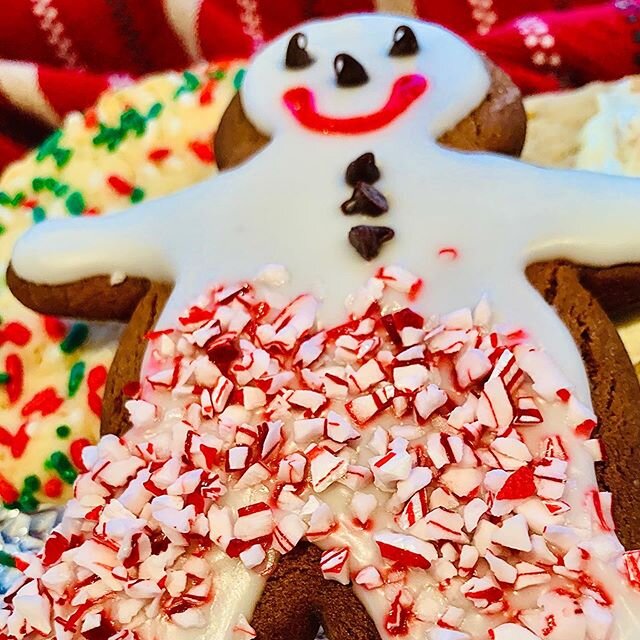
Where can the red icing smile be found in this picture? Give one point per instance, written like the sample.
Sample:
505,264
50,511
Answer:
302,104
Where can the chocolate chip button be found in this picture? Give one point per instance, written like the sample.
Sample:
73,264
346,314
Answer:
297,55
368,240
362,169
405,42
366,200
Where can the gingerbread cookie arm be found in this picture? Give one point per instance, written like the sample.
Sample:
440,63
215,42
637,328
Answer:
65,251
589,219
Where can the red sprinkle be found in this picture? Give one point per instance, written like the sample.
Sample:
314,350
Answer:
8,493
159,154
206,95
52,488
120,185
563,394
97,377
75,452
13,366
95,403
16,333
90,119
20,442
203,150
46,402
55,328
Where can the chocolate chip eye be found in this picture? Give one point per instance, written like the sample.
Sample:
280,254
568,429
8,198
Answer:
297,55
405,42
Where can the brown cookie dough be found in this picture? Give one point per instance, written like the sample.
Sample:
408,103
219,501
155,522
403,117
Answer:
297,600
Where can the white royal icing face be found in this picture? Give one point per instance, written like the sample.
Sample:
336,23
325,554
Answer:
494,214
454,75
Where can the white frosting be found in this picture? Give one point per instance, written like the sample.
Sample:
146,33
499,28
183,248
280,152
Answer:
609,140
282,207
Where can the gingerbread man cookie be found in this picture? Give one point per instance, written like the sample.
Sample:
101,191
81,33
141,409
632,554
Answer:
395,469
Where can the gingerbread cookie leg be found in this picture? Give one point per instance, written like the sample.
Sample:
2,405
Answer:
127,362
615,391
292,609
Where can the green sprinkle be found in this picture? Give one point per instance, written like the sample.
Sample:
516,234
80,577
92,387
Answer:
62,465
136,195
60,189
4,378
218,75
75,203
49,145
32,484
131,120
38,184
76,375
5,198
63,431
17,199
75,338
7,560
155,110
62,157
238,79
28,502
38,214
191,80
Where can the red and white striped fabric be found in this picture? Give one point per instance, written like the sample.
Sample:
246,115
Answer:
58,55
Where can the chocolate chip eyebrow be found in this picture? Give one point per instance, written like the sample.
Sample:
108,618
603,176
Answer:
405,42
297,56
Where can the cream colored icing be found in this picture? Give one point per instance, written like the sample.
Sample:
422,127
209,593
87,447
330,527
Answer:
283,206
609,140
185,117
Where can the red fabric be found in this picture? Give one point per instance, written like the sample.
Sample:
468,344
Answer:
80,48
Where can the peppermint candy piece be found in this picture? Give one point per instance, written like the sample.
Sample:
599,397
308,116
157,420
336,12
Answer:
334,565
405,550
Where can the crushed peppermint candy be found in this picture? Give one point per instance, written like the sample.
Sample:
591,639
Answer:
440,449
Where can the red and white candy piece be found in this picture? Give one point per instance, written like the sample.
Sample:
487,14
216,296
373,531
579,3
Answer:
405,550
334,565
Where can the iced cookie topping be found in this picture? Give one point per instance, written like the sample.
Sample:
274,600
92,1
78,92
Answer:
430,458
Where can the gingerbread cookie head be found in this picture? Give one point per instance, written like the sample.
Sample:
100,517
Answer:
363,75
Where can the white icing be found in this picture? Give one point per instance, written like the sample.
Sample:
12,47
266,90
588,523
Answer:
282,206
609,140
